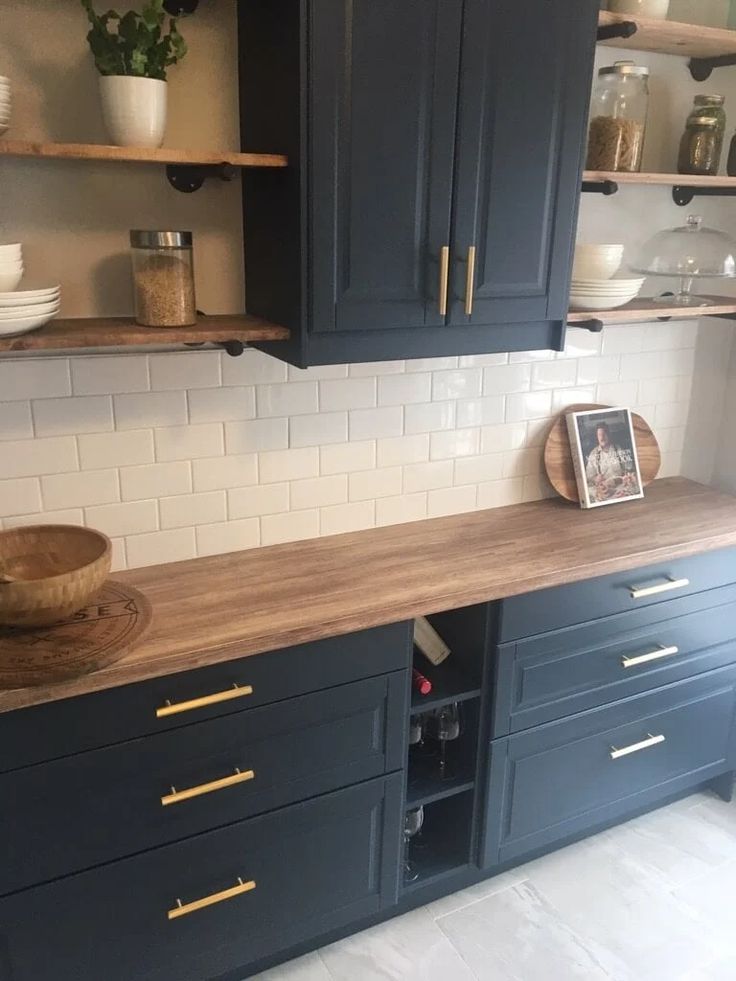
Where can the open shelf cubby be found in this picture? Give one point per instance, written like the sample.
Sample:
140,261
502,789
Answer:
425,783
443,846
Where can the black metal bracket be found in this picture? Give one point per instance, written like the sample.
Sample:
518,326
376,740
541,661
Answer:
626,28
233,348
180,8
188,178
606,188
683,194
593,325
701,68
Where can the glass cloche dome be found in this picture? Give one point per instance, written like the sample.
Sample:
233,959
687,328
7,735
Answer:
689,252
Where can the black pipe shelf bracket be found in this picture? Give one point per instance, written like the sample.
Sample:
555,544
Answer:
701,68
180,8
683,194
593,325
189,178
607,188
626,28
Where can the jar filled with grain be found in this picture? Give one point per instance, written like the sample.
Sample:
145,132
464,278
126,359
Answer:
700,147
618,118
163,278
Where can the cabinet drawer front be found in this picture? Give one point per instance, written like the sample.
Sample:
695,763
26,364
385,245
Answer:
82,811
563,606
555,675
62,728
314,867
566,777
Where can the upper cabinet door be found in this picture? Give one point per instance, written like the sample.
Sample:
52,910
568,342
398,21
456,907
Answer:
383,81
525,87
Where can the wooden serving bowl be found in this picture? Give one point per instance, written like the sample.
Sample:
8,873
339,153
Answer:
48,572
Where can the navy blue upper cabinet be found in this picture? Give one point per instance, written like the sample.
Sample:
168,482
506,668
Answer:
436,149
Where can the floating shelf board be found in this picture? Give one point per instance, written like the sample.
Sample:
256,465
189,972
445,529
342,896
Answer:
124,154
665,180
670,37
641,310
63,335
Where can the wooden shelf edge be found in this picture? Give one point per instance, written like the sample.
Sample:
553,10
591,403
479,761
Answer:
642,311
93,151
671,37
664,180
64,335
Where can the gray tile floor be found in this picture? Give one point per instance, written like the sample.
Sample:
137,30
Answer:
652,900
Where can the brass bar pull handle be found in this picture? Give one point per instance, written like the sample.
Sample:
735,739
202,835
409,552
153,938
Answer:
641,592
470,282
182,909
661,651
444,278
617,754
197,703
177,796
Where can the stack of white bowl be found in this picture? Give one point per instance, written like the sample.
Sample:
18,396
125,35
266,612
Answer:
5,104
22,310
593,286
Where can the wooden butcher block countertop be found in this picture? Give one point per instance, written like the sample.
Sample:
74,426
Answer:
216,609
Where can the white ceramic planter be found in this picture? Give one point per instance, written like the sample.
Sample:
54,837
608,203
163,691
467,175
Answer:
134,109
644,8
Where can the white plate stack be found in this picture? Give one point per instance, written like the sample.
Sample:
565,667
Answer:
25,310
593,286
5,104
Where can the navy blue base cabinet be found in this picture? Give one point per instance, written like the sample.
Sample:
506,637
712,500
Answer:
435,152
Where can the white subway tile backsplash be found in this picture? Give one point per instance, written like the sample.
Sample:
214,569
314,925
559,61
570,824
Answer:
594,371
347,393
500,493
157,547
372,484
398,450
348,457
293,527
462,383
290,399
277,465
428,476
189,442
155,480
402,509
671,414
256,435
253,368
554,374
582,344
193,509
82,414
227,536
372,369
460,442
68,490
508,378
221,404
318,492
519,463
65,516
34,379
404,389
529,357
481,412
319,429
125,449
530,405
176,371
482,360
317,373
431,364
376,423
429,417
475,469
33,457
223,472
249,502
623,393
150,410
21,496
15,420
108,376
564,397
625,339
508,436
118,520
341,518
451,500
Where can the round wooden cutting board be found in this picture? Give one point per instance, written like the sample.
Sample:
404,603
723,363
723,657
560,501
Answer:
558,456
98,635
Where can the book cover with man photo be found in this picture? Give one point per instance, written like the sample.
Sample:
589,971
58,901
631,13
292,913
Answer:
604,454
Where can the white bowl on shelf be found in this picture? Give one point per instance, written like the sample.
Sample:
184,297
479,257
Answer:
608,285
31,295
21,299
599,302
34,310
22,325
9,281
597,261
11,250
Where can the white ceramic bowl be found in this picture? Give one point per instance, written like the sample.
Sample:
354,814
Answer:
597,261
9,281
23,324
20,298
12,251
596,302
644,8
582,291
11,266
609,284
28,296
35,310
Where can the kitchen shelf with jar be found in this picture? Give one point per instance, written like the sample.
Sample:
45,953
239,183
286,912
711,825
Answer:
684,186
703,44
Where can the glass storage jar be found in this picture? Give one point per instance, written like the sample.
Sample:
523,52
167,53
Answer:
618,118
700,147
713,106
163,278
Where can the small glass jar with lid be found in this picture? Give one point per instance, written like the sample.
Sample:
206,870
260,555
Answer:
618,118
713,106
163,278
700,147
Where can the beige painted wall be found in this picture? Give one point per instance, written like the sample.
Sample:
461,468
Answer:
73,218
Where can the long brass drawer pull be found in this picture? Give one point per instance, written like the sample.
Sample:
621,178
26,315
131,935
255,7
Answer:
197,703
641,592
444,279
617,754
218,897
470,282
632,662
177,796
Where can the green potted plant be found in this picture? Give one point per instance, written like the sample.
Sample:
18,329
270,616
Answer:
132,53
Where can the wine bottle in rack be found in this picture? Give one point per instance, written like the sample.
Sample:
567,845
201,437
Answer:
429,642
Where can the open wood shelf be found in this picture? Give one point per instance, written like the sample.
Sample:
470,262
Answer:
425,785
670,37
665,180
449,684
62,335
125,154
642,309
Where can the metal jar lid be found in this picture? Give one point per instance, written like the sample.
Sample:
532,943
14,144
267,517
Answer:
141,239
625,68
710,100
705,121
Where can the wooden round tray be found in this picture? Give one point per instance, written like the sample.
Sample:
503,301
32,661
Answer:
558,456
98,635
